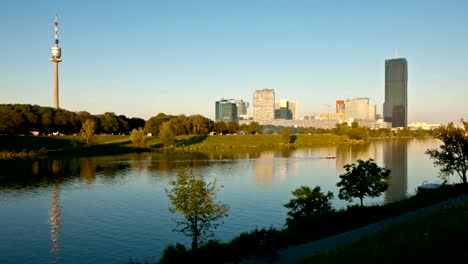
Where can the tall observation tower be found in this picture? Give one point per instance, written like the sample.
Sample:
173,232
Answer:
56,58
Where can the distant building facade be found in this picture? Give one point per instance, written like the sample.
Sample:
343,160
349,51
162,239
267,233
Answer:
395,107
226,110
359,109
242,109
292,105
340,106
264,106
283,109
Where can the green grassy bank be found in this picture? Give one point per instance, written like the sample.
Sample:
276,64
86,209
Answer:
252,141
246,244
436,234
31,146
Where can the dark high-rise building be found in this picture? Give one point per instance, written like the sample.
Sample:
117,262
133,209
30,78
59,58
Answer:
226,110
395,108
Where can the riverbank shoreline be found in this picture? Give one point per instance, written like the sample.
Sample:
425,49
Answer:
45,146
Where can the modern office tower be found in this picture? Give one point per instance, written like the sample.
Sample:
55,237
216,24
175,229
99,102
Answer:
56,58
395,107
283,110
264,106
226,110
242,109
293,107
359,109
340,106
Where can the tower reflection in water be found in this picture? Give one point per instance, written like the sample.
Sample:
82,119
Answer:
395,158
54,217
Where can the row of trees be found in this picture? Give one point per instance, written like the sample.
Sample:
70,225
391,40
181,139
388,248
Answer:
16,119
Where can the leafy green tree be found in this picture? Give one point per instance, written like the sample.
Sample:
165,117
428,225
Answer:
254,128
361,133
194,199
308,202
285,136
166,135
233,127
155,122
220,127
87,132
200,125
405,132
180,125
109,122
453,153
138,137
135,122
363,179
342,129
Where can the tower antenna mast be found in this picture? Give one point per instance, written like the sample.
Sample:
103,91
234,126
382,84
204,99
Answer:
56,59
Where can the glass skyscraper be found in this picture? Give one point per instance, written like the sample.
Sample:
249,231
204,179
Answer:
226,110
395,108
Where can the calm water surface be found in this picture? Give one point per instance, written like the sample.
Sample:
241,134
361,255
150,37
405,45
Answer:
111,209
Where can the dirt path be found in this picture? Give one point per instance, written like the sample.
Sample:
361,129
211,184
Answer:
293,254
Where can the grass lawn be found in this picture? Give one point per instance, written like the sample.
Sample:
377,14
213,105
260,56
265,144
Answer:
21,143
441,233
250,141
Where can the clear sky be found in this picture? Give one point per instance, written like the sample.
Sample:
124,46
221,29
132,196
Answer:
140,58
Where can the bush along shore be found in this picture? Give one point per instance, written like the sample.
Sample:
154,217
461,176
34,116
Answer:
308,229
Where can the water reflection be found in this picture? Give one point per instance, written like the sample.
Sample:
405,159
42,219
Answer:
395,158
264,169
55,222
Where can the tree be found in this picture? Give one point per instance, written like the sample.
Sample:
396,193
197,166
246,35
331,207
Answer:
87,132
194,199
285,136
220,127
308,202
138,137
154,123
254,128
363,179
453,153
166,135
233,127
200,125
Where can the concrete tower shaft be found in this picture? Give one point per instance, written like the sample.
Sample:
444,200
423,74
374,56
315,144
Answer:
56,52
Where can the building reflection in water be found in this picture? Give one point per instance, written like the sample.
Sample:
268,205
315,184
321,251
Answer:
264,168
395,157
268,164
349,153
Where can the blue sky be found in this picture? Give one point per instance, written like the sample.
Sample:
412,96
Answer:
140,58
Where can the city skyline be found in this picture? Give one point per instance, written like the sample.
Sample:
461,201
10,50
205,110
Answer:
140,59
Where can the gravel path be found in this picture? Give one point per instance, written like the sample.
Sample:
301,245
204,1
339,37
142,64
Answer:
293,254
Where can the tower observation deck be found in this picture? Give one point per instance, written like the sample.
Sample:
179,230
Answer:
56,52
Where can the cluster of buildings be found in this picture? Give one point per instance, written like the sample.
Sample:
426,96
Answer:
267,111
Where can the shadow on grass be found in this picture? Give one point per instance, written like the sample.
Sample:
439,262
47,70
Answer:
122,147
190,141
20,143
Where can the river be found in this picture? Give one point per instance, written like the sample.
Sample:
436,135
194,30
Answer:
114,208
